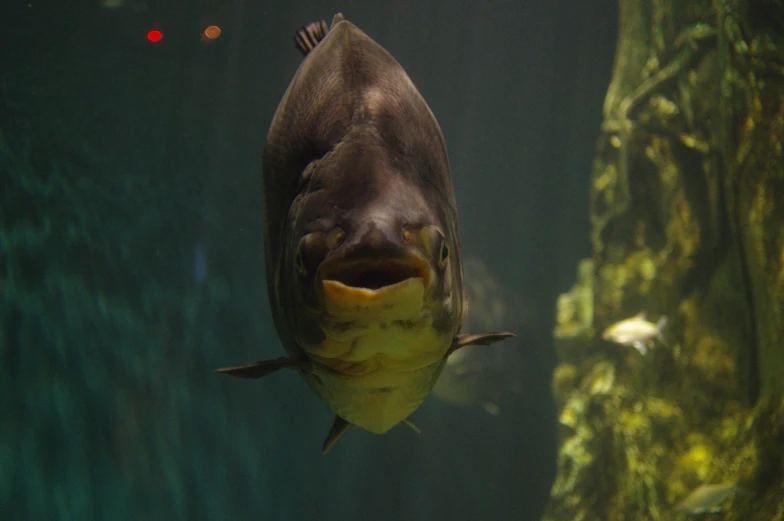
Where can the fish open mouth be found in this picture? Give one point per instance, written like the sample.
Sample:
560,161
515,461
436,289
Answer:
374,275
366,284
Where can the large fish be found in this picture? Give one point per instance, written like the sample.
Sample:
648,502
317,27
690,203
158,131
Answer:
361,234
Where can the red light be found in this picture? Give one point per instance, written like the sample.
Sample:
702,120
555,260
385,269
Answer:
212,32
155,36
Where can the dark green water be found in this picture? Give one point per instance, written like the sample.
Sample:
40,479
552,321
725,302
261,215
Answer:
131,257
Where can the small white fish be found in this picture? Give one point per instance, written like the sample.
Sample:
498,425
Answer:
707,498
636,332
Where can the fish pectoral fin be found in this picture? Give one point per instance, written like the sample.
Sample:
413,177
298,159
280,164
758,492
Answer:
260,368
640,346
484,339
411,424
310,35
339,428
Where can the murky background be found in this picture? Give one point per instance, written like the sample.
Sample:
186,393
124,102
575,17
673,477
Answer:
131,258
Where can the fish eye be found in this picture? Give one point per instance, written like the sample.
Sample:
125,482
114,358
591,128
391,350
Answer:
443,255
311,251
335,238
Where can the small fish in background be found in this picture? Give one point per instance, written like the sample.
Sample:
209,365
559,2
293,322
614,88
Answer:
636,332
707,498
479,375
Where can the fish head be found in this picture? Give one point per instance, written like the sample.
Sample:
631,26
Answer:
377,294
609,334
364,233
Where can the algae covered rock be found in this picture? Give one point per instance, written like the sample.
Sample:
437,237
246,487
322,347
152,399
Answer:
685,225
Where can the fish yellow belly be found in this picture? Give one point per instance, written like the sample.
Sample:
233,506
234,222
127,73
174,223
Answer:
376,367
377,401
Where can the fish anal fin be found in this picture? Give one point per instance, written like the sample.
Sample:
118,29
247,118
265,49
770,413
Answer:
484,339
310,35
411,424
259,369
339,428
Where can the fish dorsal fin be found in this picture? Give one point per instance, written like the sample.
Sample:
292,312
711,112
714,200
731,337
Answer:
310,35
336,20
484,339
339,428
259,369
640,315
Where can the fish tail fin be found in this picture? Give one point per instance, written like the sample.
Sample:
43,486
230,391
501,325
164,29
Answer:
310,35
659,327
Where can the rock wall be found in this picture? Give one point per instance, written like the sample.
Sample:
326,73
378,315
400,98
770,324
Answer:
687,175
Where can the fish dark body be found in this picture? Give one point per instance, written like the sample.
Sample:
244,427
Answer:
361,233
